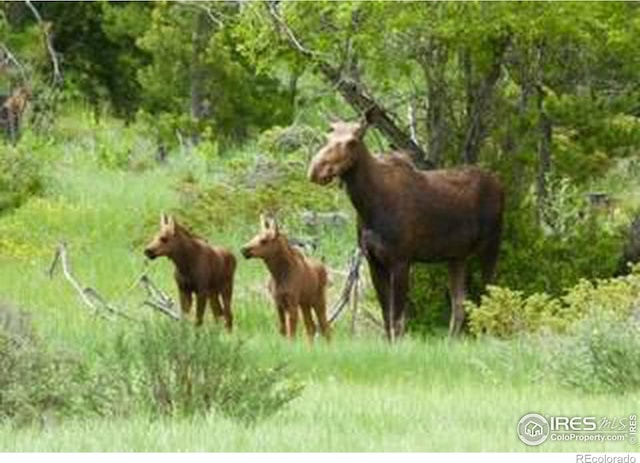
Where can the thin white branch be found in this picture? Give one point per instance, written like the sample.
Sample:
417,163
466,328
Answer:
12,58
57,74
199,6
283,26
347,291
61,256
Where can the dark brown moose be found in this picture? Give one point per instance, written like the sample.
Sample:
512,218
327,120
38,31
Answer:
201,269
406,215
297,282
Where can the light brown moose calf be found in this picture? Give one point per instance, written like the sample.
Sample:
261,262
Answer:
201,269
297,282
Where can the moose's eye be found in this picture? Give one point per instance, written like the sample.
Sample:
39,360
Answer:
263,241
164,239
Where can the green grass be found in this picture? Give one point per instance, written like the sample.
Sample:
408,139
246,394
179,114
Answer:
361,394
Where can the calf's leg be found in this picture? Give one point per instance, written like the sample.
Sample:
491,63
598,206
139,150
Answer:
186,300
320,309
216,308
282,319
201,305
292,322
227,294
309,324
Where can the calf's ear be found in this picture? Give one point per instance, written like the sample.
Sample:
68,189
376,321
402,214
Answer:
264,223
171,224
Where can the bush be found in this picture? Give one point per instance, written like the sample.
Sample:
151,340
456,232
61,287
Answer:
177,370
602,354
38,382
20,178
505,313
300,140
225,206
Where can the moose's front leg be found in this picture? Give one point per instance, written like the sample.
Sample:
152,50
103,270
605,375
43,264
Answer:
399,285
457,272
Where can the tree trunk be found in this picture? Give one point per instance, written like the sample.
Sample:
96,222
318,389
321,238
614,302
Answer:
433,62
200,38
545,128
480,95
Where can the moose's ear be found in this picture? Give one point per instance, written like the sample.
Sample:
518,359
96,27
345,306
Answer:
274,226
360,130
163,219
171,224
264,223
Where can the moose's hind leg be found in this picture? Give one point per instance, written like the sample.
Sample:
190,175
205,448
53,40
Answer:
380,279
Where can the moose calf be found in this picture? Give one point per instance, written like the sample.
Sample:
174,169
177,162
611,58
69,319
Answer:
297,282
200,268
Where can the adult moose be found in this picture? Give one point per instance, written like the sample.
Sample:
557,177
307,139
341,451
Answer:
406,215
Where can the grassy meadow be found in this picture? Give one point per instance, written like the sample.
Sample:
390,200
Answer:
361,394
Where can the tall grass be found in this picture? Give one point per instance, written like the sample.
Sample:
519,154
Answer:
360,394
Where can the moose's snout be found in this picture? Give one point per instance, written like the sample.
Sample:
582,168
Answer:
320,173
246,252
150,253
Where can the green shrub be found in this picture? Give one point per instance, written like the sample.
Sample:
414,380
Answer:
504,313
20,177
601,354
38,382
300,140
239,201
178,370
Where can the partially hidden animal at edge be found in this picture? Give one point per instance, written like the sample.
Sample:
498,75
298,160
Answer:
406,215
201,269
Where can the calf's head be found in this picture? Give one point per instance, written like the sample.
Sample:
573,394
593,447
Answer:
339,154
165,241
266,243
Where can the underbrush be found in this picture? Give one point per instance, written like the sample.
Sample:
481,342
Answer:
20,177
161,369
597,355
38,382
505,313
175,369
600,355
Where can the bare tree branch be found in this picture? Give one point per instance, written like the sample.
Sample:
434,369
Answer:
204,8
85,293
347,291
12,58
57,74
